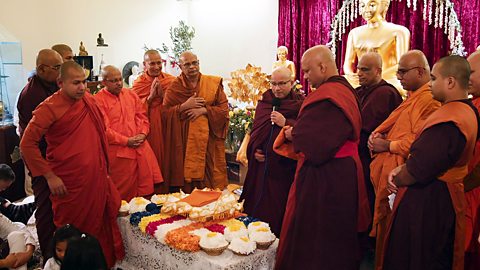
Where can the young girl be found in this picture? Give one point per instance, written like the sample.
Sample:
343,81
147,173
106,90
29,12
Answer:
61,238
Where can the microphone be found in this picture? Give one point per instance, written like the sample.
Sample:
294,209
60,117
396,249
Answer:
276,102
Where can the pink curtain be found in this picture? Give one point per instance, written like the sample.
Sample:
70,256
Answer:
305,23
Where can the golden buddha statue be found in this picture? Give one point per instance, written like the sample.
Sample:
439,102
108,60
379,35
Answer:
282,53
83,51
390,40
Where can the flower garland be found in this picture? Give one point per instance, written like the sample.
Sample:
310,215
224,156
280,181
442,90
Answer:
444,16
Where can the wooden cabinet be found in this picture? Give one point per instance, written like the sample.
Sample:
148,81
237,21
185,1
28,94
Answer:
8,140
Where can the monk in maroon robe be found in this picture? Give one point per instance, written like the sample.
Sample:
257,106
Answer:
377,100
427,228
40,86
76,164
327,204
270,175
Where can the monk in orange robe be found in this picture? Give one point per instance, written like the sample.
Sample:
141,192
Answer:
133,165
427,228
150,88
390,142
76,163
195,122
472,181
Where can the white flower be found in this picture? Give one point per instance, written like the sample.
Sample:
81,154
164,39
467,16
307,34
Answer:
244,121
236,110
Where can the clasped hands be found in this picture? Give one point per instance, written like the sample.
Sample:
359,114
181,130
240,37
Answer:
15,260
377,143
155,90
136,141
194,107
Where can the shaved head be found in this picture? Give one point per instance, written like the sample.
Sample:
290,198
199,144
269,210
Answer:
112,79
474,61
283,72
318,65
190,65
148,54
455,66
152,61
413,70
70,67
46,56
369,69
108,70
281,82
48,65
187,55
64,50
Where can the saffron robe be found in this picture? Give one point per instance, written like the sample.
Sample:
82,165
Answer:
472,196
400,128
195,150
327,203
77,153
133,170
427,228
267,183
142,87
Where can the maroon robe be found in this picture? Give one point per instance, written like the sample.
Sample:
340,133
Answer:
267,183
323,213
36,91
376,104
422,231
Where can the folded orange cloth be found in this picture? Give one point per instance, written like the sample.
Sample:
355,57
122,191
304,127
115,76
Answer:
200,198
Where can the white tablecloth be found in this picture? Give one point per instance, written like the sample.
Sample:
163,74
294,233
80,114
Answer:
145,252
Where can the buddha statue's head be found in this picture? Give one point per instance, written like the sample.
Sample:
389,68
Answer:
374,10
282,53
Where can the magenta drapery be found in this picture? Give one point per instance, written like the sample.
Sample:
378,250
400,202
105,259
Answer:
305,23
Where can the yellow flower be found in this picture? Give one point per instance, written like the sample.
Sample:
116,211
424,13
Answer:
230,113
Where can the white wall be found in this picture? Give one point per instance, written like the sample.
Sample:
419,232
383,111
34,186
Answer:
229,33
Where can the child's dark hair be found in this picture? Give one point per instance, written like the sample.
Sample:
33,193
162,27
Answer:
64,233
83,253
6,173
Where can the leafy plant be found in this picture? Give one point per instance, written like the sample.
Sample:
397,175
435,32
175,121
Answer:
181,36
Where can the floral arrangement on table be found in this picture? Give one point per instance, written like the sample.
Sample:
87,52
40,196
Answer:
240,234
241,122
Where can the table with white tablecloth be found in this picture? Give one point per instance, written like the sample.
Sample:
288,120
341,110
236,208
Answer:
145,252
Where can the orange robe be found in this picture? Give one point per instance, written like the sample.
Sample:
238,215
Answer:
472,196
77,153
401,128
195,150
141,87
133,170
465,119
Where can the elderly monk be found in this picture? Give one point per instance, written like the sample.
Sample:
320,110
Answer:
64,50
390,142
427,228
75,167
327,204
270,175
133,165
150,88
195,125
472,181
40,86
377,100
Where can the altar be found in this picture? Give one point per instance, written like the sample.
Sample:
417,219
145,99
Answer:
145,252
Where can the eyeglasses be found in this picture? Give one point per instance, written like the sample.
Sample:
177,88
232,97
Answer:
402,72
188,65
56,67
114,80
280,83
